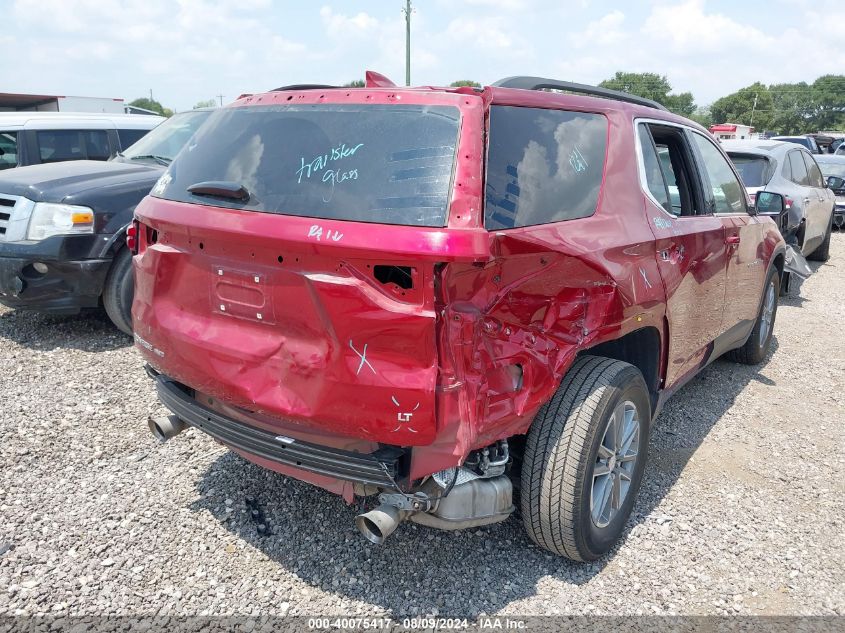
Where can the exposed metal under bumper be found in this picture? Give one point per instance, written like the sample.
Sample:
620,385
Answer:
380,468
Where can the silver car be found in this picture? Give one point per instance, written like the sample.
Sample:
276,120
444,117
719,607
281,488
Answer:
791,171
833,166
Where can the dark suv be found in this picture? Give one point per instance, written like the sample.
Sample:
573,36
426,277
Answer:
62,225
436,295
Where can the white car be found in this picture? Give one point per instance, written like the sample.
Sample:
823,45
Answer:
33,138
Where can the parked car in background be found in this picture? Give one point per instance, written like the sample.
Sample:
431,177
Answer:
790,170
34,138
62,225
807,141
833,167
840,150
427,294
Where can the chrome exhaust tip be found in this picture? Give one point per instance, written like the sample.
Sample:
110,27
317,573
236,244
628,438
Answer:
166,427
376,525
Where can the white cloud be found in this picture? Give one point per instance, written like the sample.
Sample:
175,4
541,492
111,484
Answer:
340,25
500,4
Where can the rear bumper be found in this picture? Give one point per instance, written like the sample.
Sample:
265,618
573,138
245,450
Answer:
65,288
383,468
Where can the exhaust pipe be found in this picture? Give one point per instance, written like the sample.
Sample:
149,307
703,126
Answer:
166,427
376,525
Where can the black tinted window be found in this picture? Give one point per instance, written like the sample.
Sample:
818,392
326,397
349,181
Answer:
8,150
542,166
753,170
388,164
58,145
798,168
128,137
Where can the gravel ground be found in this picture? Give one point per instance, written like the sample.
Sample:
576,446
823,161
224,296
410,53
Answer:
741,511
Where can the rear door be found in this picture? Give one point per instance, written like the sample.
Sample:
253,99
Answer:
690,246
823,197
746,268
807,199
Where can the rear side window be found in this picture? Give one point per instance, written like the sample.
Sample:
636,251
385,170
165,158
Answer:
367,163
543,166
798,169
814,174
8,150
59,145
755,171
128,137
654,172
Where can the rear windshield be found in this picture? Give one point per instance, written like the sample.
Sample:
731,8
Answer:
542,166
755,171
368,163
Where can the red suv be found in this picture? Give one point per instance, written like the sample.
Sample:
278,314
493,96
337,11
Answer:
442,296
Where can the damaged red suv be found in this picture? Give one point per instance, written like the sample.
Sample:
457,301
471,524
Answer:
440,297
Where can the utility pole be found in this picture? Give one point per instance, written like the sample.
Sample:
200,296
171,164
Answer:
407,11
151,94
221,99
753,107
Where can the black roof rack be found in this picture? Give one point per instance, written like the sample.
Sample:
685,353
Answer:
541,83
303,87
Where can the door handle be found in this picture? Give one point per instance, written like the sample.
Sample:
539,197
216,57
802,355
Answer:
732,240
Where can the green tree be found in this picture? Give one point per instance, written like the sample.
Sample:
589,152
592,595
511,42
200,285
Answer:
752,105
828,108
792,108
208,103
151,104
465,82
356,83
652,86
702,116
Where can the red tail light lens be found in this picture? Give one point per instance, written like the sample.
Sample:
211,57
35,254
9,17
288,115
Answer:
787,203
132,237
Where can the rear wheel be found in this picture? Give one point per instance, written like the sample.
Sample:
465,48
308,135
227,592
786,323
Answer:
118,292
584,459
757,345
822,253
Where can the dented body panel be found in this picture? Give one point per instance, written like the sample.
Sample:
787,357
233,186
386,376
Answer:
292,325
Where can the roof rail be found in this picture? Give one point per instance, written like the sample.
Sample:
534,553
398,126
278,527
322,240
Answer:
303,87
541,83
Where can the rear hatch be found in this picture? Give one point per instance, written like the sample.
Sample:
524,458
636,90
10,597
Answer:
755,171
289,261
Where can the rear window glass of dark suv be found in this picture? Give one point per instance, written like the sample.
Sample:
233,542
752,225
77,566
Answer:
389,164
543,166
755,171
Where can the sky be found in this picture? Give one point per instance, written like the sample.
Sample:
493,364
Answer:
186,51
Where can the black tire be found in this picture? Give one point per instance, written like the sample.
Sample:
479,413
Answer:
755,350
561,451
118,292
822,253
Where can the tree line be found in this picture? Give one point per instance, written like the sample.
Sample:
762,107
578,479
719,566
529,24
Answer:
787,108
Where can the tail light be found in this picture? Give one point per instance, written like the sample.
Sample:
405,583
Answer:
132,232
787,203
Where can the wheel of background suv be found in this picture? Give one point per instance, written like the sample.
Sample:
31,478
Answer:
822,253
757,345
584,459
118,291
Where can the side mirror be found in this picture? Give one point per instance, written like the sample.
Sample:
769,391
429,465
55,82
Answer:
768,203
835,182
